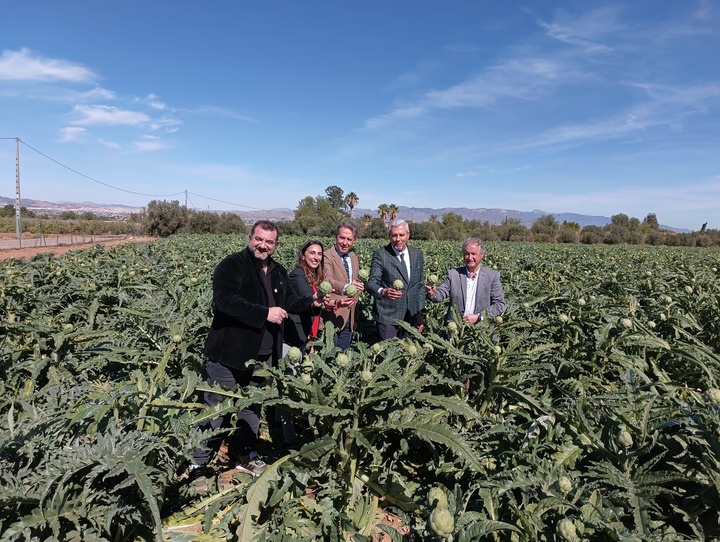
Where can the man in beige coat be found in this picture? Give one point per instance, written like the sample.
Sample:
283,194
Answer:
340,269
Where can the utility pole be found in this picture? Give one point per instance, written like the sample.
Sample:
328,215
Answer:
18,227
186,199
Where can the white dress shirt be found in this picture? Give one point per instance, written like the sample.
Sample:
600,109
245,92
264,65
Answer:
470,293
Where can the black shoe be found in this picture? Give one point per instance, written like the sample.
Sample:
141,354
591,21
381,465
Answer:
251,464
198,478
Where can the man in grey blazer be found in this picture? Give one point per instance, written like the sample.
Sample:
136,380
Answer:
473,289
397,262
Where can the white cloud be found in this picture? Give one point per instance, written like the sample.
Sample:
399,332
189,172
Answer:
585,30
170,125
108,115
667,107
26,65
151,143
58,94
520,79
108,144
559,33
98,93
152,100
224,112
71,134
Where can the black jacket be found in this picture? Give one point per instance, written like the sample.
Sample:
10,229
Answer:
298,325
241,309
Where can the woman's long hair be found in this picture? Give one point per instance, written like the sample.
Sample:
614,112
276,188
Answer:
314,276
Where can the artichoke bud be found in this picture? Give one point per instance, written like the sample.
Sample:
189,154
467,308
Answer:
325,287
624,439
294,354
437,494
567,531
565,485
442,522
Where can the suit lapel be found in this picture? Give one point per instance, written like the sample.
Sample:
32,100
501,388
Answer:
401,268
337,262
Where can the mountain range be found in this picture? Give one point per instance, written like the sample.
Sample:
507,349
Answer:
414,214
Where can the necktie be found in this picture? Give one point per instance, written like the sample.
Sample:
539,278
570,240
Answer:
402,261
347,266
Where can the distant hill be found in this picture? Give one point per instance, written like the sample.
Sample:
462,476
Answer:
423,214
414,214
494,216
110,211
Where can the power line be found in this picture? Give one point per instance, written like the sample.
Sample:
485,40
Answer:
130,191
228,202
95,180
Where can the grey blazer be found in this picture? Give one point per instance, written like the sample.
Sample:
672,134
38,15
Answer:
489,295
384,270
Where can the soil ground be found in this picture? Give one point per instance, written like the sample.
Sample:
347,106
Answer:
30,251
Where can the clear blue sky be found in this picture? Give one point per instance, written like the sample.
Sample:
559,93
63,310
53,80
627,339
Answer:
566,106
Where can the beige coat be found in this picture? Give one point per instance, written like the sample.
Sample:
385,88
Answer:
334,273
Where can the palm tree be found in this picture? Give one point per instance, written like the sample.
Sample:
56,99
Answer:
351,200
383,211
393,211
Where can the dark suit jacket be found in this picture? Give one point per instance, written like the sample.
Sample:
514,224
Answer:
241,309
334,272
384,270
297,326
489,295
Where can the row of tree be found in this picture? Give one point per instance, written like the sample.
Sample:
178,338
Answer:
319,216
64,223
165,218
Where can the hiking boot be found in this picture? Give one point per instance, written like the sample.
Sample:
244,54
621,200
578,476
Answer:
198,478
251,464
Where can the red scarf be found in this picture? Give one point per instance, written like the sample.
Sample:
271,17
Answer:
315,327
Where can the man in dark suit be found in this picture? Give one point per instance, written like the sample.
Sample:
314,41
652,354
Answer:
251,300
397,262
474,290
340,269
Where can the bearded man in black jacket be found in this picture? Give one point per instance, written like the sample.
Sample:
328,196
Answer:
251,299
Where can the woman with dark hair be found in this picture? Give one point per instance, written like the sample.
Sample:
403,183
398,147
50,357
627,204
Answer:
303,327
305,280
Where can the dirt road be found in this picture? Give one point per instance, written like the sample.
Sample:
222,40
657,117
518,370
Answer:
30,249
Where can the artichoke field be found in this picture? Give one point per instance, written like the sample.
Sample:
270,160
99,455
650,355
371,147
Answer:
589,411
